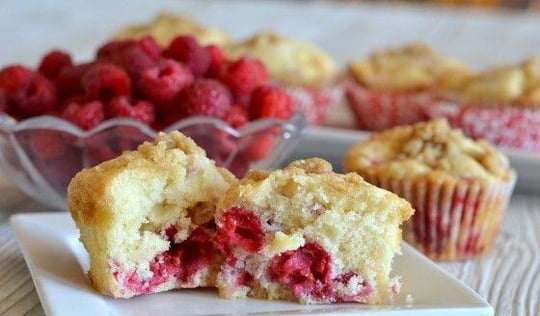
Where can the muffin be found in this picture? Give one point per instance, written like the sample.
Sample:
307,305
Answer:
458,186
146,218
165,27
308,73
394,87
307,234
499,104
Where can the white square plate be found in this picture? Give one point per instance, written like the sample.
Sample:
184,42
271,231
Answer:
57,261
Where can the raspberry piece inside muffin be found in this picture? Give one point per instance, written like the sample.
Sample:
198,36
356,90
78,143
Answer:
305,271
307,234
241,228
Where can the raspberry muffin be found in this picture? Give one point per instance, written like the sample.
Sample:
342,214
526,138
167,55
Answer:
310,235
165,27
458,186
500,104
394,87
308,73
146,218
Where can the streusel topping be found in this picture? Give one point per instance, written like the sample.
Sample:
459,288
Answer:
165,27
430,148
290,61
414,66
517,85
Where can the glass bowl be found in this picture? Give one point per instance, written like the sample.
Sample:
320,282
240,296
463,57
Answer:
41,155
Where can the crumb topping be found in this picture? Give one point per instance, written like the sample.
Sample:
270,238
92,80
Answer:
414,66
165,27
430,148
517,85
290,61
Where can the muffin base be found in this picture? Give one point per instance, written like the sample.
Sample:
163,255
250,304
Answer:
454,220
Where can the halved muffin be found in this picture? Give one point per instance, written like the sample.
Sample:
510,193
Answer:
146,217
307,234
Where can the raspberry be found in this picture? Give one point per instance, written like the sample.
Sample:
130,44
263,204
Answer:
53,63
195,253
12,77
135,61
104,81
187,50
150,47
270,102
217,58
206,97
4,104
142,110
305,271
36,97
257,147
235,116
244,75
240,228
47,144
85,116
68,82
162,83
111,50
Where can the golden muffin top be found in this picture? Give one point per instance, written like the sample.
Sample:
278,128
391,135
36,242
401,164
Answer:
414,66
431,149
165,27
289,60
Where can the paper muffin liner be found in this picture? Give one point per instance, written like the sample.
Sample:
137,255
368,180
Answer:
454,220
315,102
377,110
508,127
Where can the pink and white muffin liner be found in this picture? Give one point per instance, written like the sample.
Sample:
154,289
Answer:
454,220
507,127
377,110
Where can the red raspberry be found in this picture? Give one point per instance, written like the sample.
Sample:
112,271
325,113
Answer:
258,146
36,97
305,271
135,61
242,228
150,47
270,102
206,97
217,58
53,63
110,50
187,50
4,104
235,116
104,81
85,116
142,110
12,77
68,82
162,83
244,75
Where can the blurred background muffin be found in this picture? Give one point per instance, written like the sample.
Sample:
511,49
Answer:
459,187
166,26
307,72
500,104
394,86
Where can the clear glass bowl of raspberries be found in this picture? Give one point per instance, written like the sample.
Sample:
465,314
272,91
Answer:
65,116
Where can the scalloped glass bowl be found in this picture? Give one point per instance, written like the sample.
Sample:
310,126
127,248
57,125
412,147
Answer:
41,155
